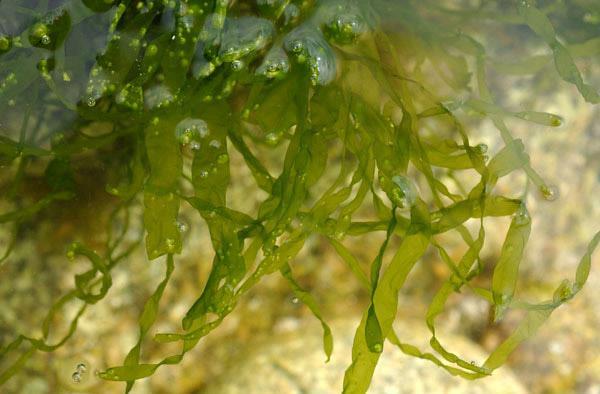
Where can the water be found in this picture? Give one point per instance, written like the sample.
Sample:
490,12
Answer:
326,136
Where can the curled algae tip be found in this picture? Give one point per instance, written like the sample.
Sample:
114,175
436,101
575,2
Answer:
549,192
563,292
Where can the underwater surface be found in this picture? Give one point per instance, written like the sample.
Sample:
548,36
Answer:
186,183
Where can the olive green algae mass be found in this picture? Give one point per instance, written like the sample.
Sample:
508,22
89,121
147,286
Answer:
157,94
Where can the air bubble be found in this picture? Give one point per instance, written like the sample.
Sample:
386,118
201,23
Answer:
237,65
243,36
290,14
549,192
308,45
481,148
521,217
401,191
273,138
346,25
190,130
223,158
52,30
158,96
182,226
275,64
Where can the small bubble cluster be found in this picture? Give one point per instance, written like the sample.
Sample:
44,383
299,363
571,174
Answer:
400,190
308,46
275,64
158,96
131,96
521,217
243,36
80,370
344,22
190,131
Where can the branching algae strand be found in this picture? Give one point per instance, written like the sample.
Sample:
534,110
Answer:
178,80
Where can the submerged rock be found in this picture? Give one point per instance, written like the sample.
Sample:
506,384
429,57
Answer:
293,363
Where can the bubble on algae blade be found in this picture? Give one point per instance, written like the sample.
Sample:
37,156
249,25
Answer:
191,130
400,189
308,46
131,97
275,63
549,192
521,217
243,36
52,30
342,21
158,96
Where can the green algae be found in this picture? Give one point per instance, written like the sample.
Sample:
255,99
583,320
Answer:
194,80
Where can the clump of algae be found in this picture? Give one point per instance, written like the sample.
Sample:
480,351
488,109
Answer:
161,92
